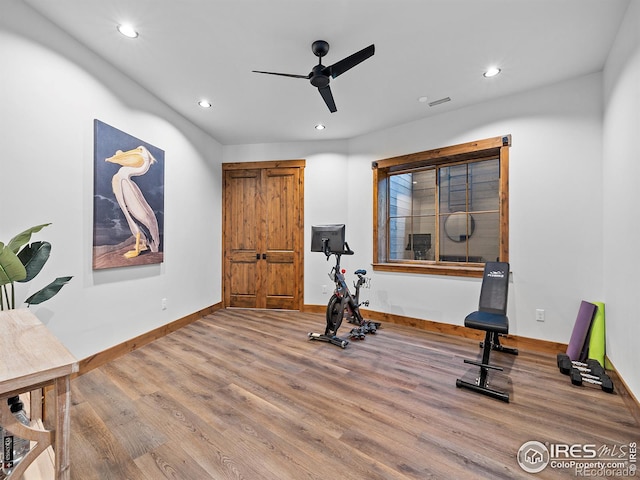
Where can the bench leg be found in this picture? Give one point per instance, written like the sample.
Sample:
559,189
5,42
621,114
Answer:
482,385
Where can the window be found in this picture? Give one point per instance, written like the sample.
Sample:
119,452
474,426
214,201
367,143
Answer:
443,211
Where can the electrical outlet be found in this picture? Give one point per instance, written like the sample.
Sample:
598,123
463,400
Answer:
163,304
324,289
539,315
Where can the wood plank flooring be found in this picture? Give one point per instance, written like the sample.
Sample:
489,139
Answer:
244,394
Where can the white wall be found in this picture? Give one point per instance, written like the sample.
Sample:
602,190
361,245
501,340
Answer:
621,198
49,100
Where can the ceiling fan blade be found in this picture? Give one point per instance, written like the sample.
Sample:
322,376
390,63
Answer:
307,77
351,61
328,98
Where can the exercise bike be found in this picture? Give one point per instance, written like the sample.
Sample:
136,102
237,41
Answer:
344,304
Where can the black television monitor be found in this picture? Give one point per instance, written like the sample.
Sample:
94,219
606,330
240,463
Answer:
334,236
419,241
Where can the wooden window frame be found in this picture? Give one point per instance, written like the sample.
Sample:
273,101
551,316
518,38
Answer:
496,147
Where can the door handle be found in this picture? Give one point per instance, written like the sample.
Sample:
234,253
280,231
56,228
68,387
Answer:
257,256
264,256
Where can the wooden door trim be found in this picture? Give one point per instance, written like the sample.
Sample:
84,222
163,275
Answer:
265,164
299,237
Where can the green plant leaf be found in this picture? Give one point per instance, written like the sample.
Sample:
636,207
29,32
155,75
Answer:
33,257
23,238
47,292
11,268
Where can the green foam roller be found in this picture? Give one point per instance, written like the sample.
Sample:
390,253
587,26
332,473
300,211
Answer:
597,337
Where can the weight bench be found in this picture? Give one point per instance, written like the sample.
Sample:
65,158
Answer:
491,317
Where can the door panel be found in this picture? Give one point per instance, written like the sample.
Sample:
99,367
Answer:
243,293
281,288
282,211
281,207
263,236
242,236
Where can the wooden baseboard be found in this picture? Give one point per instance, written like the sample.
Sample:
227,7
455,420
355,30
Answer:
623,390
524,343
116,351
314,308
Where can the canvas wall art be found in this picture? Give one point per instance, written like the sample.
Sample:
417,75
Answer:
128,200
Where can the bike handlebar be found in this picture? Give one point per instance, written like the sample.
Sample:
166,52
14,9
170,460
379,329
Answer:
346,250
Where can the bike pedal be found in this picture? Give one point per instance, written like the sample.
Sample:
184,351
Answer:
369,328
356,334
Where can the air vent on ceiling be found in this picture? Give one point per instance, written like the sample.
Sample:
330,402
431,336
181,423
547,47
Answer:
438,102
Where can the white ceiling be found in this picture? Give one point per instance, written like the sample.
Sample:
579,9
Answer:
192,49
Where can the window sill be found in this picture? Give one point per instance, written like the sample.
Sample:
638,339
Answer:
431,269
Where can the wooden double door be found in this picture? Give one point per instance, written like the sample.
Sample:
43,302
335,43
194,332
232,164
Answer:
263,234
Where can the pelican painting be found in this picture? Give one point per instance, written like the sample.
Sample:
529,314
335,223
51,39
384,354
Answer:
135,208
128,200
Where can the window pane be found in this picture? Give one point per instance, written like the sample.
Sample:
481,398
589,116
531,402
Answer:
484,184
399,230
453,188
424,193
421,243
412,238
455,232
400,187
484,243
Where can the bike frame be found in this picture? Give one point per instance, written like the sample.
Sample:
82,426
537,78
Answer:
348,302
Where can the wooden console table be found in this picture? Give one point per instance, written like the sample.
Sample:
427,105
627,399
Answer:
31,357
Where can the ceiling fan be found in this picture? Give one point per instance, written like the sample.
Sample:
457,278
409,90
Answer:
321,75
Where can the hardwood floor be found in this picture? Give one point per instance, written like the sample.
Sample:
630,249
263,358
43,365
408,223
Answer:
243,394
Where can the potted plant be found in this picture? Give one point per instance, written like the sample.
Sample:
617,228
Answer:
21,261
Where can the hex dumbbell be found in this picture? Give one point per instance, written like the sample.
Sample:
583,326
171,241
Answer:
602,380
592,366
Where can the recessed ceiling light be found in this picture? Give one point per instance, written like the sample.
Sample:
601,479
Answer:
127,30
492,72
422,99
204,103
319,127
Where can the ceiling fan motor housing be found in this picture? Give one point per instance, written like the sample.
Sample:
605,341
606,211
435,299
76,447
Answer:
318,78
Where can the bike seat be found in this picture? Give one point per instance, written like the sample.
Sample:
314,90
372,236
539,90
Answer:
362,271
